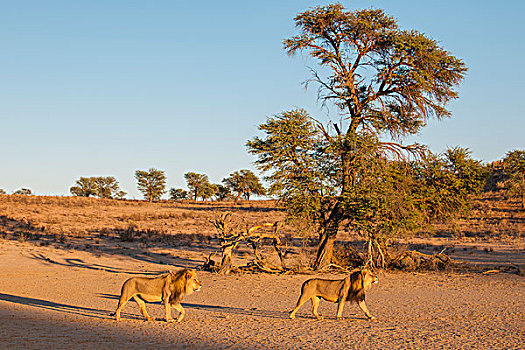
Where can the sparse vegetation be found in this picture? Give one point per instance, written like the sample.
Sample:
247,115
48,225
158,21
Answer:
71,222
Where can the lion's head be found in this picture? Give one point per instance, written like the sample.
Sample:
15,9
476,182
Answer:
359,282
185,282
368,278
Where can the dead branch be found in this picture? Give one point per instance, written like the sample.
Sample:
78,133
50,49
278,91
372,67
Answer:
412,260
505,269
230,237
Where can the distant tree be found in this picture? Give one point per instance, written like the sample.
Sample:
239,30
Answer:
23,191
85,187
244,183
2,191
197,184
223,192
108,187
151,182
208,191
97,186
384,81
514,169
178,194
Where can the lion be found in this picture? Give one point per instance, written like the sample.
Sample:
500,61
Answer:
352,288
169,288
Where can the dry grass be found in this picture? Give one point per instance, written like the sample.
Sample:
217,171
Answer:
492,218
77,217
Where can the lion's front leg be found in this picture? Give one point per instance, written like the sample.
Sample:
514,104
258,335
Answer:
167,308
363,307
181,311
340,308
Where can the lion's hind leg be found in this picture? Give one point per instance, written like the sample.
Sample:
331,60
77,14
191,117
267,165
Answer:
315,305
142,307
302,299
121,302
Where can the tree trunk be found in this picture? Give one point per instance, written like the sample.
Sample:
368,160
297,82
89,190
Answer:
326,248
324,254
226,263
237,197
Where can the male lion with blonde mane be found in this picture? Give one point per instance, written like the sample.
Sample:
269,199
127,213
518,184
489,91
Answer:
352,288
169,288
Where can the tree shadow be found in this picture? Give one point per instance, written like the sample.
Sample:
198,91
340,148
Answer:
79,263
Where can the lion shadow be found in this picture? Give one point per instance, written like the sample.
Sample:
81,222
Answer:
60,307
275,314
219,309
257,312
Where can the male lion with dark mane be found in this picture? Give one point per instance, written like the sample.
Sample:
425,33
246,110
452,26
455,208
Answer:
169,288
352,288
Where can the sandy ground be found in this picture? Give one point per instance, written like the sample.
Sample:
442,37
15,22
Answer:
61,299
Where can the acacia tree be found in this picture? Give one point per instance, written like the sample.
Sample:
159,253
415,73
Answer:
151,182
385,81
208,191
197,184
98,186
108,187
177,194
24,192
514,165
84,187
244,183
223,192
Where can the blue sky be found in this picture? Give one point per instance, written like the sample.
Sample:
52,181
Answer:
103,88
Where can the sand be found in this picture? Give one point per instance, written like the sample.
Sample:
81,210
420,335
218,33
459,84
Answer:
61,299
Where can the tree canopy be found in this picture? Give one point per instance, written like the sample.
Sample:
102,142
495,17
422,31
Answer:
178,194
151,182
200,186
244,183
514,165
24,192
98,186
